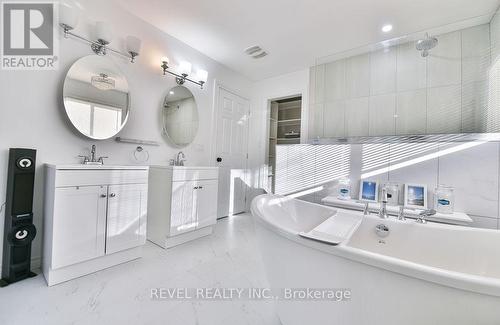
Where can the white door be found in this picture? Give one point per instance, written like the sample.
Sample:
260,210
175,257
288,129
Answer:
79,224
205,195
126,221
182,218
231,152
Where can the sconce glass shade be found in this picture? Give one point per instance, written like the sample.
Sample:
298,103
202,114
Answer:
185,68
103,32
68,16
202,75
165,59
133,44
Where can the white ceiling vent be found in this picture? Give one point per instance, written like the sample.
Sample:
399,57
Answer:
255,52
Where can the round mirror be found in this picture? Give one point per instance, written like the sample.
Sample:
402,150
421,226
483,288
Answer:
96,97
180,116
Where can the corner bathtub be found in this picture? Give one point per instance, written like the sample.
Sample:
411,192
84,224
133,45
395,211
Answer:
420,274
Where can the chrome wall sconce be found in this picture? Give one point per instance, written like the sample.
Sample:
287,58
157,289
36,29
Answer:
68,21
184,70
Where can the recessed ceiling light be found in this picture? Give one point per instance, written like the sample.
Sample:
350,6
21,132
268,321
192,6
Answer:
387,28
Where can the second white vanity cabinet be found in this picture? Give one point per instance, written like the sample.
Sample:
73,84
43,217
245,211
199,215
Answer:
95,217
182,203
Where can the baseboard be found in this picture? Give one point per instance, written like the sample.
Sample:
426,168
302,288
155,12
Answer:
184,238
55,276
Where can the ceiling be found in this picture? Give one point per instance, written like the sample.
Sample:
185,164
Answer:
294,32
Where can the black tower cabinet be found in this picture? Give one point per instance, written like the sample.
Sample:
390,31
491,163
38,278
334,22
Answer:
19,230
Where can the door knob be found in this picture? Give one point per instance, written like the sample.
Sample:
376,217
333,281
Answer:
112,195
103,195
219,159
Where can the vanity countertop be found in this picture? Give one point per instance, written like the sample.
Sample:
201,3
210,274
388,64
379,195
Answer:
98,167
185,167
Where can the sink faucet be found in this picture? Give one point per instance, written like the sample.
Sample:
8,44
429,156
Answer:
382,213
178,160
91,159
424,214
92,153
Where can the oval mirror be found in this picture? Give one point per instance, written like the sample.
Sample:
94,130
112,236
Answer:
96,97
180,116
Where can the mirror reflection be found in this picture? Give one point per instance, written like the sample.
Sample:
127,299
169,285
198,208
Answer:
180,116
96,97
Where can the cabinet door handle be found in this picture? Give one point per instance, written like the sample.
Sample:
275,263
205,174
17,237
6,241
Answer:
200,187
112,195
196,187
103,195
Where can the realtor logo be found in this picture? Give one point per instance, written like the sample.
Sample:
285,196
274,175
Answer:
28,40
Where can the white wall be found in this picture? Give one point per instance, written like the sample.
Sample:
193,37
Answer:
295,83
396,91
32,115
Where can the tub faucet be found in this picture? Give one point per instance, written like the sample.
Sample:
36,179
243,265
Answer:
366,210
382,213
401,214
424,214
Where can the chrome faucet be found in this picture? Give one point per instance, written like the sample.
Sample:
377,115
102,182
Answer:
424,214
382,213
92,153
91,159
401,214
178,161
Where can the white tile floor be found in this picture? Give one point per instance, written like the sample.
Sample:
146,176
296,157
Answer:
121,294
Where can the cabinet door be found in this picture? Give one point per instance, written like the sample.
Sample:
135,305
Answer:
206,202
127,209
182,218
79,224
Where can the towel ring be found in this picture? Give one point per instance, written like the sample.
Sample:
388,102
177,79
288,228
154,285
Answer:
140,154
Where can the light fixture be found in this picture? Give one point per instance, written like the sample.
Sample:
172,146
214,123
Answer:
68,16
102,82
68,19
103,32
133,46
387,28
104,35
184,70
202,75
